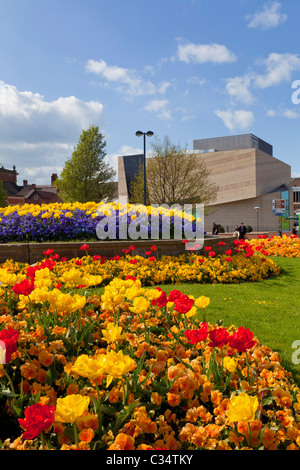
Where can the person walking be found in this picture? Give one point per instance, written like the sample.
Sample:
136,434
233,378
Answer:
242,231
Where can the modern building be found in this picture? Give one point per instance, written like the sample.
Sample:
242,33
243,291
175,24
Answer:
249,179
128,167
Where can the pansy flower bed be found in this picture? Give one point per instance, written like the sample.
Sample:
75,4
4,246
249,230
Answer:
135,368
76,221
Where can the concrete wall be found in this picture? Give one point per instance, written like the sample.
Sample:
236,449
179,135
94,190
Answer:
233,213
244,174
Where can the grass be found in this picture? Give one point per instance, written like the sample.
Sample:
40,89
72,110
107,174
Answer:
269,308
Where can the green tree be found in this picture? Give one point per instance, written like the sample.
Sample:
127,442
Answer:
86,176
3,194
174,175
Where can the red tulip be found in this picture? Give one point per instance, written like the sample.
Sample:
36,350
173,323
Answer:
219,337
173,295
9,338
194,336
38,418
161,301
85,247
242,339
183,304
24,287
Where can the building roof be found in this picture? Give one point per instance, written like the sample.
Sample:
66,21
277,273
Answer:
11,188
295,182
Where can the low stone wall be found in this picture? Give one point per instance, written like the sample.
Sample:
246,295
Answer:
33,252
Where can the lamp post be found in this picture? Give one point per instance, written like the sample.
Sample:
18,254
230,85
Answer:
257,211
148,134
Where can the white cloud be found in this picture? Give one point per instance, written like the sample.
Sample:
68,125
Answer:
238,88
236,120
129,80
279,68
201,53
288,113
196,81
38,135
156,105
268,17
160,108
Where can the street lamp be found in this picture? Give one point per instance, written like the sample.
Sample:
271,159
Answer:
257,211
148,134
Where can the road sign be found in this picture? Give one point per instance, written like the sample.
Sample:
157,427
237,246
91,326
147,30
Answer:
278,206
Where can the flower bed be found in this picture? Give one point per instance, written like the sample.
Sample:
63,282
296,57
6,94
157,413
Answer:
288,247
233,266
75,221
135,368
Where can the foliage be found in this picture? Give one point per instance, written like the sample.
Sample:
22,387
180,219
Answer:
86,176
173,176
3,195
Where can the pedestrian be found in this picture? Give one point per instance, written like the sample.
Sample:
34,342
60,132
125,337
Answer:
215,229
294,229
236,232
242,231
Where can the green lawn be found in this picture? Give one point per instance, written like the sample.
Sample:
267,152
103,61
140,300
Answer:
270,308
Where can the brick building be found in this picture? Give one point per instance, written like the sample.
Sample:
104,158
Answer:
27,193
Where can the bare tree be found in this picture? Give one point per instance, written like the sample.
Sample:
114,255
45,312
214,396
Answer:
174,176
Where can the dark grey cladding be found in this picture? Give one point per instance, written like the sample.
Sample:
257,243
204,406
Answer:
233,142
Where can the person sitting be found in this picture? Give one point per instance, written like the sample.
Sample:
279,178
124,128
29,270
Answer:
215,229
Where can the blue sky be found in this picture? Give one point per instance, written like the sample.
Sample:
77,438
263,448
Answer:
186,69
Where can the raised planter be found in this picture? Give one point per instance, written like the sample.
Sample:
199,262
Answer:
33,252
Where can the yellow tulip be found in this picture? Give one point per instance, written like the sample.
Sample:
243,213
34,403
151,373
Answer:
202,302
71,407
242,407
192,312
112,333
140,305
88,367
229,364
115,365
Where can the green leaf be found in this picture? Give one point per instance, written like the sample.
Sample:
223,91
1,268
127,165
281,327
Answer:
124,414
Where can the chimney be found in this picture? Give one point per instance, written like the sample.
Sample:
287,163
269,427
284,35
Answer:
25,182
53,178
